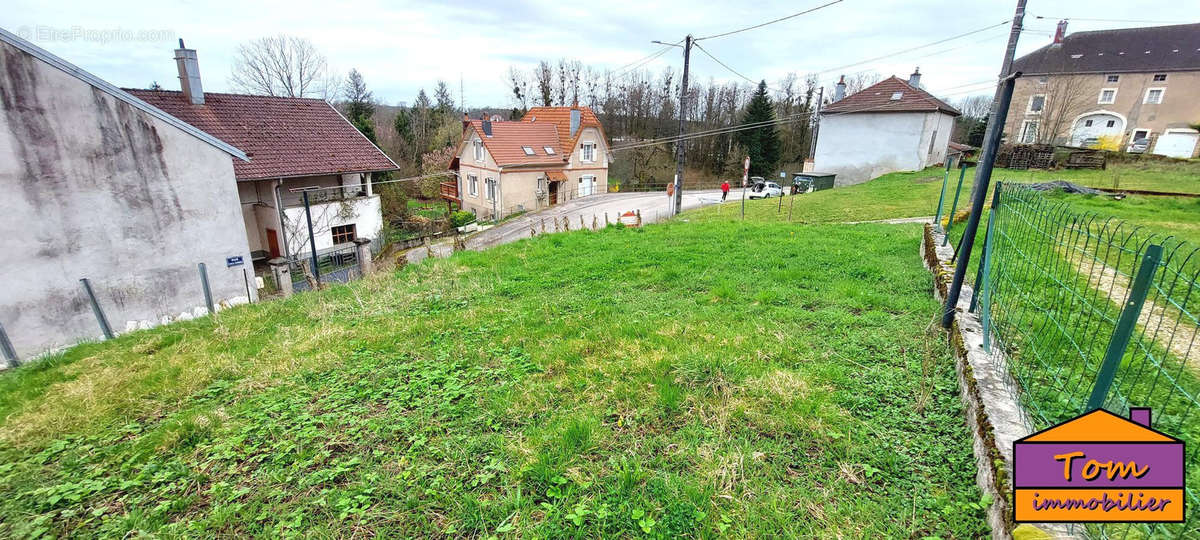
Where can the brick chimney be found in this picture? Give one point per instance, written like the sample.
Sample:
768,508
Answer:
1061,32
914,79
189,74
839,90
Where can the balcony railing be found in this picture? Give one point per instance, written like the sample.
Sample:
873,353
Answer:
449,191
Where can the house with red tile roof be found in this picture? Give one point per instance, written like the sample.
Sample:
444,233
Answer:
551,155
291,143
891,126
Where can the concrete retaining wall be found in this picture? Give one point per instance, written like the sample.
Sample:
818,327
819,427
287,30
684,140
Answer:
994,415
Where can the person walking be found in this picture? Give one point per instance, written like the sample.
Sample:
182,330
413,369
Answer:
724,190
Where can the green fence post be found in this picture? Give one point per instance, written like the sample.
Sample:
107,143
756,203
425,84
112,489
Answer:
1125,325
954,207
985,282
937,218
987,244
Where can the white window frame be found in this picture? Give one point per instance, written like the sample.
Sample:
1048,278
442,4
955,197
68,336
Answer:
528,150
1025,128
1162,95
1112,78
587,152
490,188
1133,135
1100,98
478,144
1029,106
549,150
473,185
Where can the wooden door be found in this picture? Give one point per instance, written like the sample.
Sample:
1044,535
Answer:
553,193
273,243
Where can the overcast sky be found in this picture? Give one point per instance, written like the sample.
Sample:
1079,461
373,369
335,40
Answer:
401,47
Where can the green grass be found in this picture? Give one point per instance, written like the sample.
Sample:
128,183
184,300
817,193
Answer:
1166,216
895,195
1147,174
915,194
683,379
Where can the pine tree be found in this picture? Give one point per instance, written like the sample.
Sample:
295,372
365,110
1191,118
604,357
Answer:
761,143
360,104
975,134
445,103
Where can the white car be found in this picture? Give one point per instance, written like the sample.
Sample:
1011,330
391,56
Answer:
765,190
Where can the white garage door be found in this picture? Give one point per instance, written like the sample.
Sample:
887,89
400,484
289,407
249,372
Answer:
1176,144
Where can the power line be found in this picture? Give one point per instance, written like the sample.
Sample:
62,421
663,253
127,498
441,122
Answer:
1139,21
910,49
726,66
760,25
637,64
778,121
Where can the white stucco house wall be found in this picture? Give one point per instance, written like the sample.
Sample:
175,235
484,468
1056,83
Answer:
891,126
100,185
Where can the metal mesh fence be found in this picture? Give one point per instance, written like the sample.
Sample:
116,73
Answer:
1059,288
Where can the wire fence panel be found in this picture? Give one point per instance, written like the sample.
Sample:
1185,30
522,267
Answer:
1058,283
336,266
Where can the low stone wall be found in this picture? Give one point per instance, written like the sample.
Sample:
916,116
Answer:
994,415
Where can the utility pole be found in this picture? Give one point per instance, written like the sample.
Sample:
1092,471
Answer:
983,172
683,92
816,124
312,242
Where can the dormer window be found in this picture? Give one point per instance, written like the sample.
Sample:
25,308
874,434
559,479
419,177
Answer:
897,95
528,150
478,150
549,150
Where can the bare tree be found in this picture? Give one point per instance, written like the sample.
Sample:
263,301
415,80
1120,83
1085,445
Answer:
520,89
1063,99
282,65
856,82
976,106
543,75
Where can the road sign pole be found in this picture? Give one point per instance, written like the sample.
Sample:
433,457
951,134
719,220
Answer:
745,178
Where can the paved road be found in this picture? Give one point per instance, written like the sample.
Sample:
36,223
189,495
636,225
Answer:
654,206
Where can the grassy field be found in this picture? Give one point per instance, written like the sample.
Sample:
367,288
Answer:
709,380
915,194
895,195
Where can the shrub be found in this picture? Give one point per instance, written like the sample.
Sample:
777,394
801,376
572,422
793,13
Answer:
461,217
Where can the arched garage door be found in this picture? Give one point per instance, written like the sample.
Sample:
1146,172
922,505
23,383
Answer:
1180,144
1095,125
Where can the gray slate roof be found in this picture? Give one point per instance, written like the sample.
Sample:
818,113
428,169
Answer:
1126,50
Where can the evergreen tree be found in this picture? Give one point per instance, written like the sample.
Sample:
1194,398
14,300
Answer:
975,134
445,103
360,104
761,143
